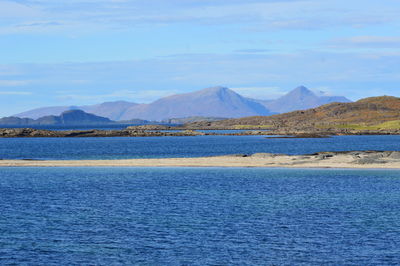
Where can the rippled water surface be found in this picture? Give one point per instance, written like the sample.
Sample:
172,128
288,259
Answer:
161,147
210,216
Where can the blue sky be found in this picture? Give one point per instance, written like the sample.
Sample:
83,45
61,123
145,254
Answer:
85,51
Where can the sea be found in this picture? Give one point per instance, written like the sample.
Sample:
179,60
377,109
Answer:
181,147
196,216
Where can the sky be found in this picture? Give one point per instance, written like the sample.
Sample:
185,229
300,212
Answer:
77,52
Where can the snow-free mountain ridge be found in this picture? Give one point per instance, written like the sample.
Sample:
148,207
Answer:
209,102
300,98
111,110
69,117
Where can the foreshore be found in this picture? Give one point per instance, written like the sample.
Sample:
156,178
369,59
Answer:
169,131
353,159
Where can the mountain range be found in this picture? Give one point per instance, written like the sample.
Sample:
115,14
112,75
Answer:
209,102
70,117
110,110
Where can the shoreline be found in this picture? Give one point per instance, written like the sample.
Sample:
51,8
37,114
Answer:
324,160
185,132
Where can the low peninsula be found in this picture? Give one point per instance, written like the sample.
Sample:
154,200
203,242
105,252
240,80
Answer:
350,159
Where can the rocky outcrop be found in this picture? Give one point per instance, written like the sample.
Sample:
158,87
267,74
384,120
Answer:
32,133
349,157
160,131
150,127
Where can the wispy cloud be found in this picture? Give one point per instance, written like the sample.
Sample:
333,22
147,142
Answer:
14,83
14,10
252,51
367,42
15,93
197,70
251,14
39,24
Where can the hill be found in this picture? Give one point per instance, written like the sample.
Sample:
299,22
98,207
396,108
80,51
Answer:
16,121
301,98
210,102
45,111
369,113
71,117
111,110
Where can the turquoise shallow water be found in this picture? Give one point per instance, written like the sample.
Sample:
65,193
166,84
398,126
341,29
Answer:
161,147
210,216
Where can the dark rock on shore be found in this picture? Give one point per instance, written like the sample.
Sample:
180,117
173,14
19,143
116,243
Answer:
265,155
30,133
301,136
346,157
369,160
163,130
150,127
363,157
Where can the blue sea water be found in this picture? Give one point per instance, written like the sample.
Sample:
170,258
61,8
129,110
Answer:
208,216
161,147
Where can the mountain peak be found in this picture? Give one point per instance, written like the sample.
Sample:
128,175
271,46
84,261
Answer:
215,89
301,98
215,101
301,90
79,117
72,111
210,102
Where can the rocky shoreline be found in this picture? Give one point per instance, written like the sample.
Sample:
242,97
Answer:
350,159
162,131
38,133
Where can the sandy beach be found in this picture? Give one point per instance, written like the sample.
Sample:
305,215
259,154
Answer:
363,160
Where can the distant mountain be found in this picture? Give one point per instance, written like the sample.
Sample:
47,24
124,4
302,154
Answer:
379,112
16,121
71,117
215,102
111,110
300,98
210,102
45,111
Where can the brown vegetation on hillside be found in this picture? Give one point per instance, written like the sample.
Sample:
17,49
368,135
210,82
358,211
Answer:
363,113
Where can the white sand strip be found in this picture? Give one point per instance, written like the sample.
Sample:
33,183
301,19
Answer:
260,160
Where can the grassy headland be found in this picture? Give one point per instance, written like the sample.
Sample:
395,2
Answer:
370,114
